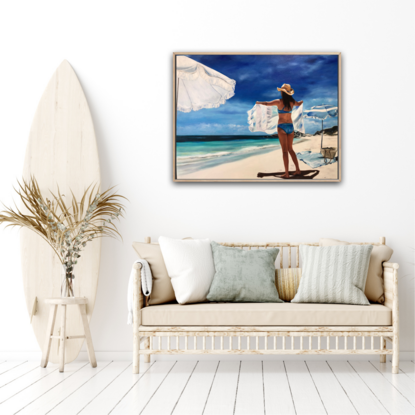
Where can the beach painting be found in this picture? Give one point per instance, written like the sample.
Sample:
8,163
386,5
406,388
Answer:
256,117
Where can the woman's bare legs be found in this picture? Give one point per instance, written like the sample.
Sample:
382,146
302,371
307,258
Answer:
290,140
286,142
282,136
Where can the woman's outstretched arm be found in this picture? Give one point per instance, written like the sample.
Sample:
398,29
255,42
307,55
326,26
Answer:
267,104
297,104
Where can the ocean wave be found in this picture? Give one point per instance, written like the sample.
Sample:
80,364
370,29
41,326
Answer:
219,154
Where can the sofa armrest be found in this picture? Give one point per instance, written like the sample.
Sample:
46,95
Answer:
138,297
390,280
392,265
138,304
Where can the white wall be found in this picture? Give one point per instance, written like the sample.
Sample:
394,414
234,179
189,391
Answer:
122,53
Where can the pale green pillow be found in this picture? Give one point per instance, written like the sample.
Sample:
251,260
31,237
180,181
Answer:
334,274
244,276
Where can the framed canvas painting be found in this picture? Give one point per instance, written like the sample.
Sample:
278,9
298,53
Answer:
256,117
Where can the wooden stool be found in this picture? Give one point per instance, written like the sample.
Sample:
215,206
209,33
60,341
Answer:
63,302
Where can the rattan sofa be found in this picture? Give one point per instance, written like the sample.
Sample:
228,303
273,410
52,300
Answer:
276,329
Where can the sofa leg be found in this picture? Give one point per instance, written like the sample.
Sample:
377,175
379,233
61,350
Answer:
136,365
395,355
136,352
382,357
147,357
395,363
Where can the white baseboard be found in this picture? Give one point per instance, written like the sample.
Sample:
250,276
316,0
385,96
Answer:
123,356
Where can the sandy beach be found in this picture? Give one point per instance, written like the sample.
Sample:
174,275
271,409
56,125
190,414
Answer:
271,162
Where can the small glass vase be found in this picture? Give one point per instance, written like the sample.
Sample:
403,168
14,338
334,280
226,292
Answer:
67,289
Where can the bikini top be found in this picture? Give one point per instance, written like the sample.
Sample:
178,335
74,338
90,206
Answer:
284,112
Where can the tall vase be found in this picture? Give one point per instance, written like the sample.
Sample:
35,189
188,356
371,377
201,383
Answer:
67,283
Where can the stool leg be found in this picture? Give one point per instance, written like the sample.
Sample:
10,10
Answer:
63,339
49,332
88,338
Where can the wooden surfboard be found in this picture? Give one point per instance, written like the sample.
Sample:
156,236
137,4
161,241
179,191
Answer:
61,150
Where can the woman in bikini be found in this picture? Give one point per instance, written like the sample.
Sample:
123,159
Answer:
285,125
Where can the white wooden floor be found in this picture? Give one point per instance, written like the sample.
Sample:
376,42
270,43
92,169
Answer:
209,387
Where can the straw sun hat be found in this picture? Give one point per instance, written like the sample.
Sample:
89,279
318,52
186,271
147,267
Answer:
287,89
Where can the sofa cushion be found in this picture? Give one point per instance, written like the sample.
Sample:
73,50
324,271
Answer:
374,283
334,274
162,291
266,314
287,281
190,266
244,276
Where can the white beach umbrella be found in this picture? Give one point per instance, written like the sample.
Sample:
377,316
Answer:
198,86
321,112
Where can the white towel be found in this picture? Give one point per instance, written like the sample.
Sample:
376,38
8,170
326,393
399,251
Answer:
265,119
146,286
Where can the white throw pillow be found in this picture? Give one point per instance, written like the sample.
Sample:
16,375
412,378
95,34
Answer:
190,266
374,284
334,274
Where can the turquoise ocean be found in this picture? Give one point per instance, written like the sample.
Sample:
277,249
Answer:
195,153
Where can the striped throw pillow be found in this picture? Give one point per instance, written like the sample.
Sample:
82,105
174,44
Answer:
287,281
334,274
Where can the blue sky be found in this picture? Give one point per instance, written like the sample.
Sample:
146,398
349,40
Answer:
313,77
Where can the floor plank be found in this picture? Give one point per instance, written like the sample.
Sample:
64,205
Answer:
332,394
137,397
194,397
402,383
250,394
11,389
307,401
116,390
169,392
17,372
391,398
408,368
54,396
278,397
221,400
80,398
361,396
9,365
37,389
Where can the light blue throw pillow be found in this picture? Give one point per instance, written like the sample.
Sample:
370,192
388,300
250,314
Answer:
334,274
244,276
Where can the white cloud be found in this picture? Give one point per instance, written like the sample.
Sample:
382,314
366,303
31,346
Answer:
244,76
237,127
212,129
207,126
